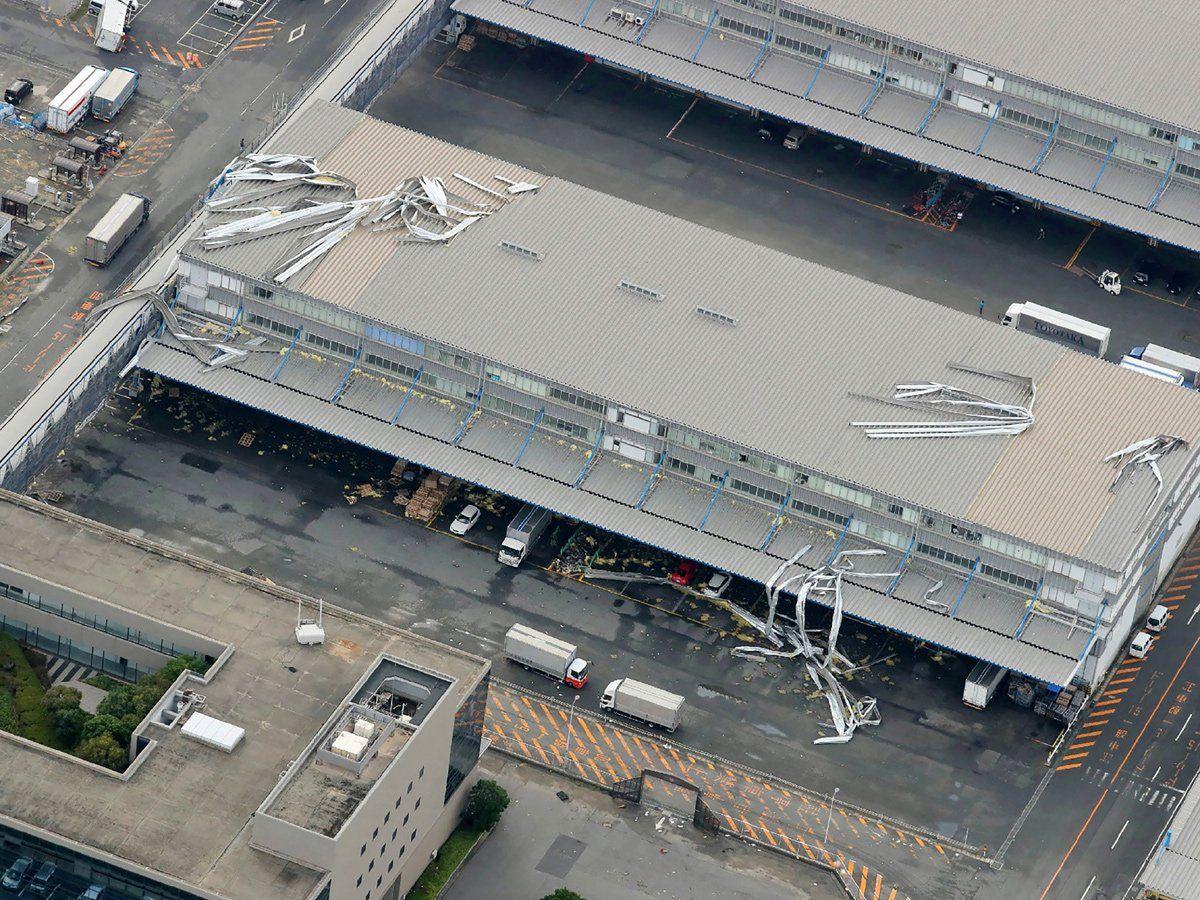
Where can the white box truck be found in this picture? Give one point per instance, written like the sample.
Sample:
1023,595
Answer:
123,218
110,24
644,702
74,101
523,531
983,682
110,97
1057,326
540,652
1151,370
1185,365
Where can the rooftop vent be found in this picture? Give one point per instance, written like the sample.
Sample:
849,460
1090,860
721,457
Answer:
713,314
521,251
644,292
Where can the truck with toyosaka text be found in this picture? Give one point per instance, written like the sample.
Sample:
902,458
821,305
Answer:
1059,327
123,218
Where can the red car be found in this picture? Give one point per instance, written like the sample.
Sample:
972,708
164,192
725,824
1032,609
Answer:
683,573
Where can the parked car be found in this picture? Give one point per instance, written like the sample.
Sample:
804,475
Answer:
716,584
17,874
1144,271
1141,645
18,91
1177,281
465,520
44,880
94,892
1006,200
683,573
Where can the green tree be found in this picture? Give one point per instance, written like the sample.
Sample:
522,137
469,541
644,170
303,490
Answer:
485,804
103,750
563,894
99,725
60,697
69,723
121,702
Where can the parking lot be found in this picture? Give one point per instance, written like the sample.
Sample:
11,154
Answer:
825,201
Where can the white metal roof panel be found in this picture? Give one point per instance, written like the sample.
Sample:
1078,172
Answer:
213,732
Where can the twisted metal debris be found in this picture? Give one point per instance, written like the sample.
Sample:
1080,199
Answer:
973,415
1145,453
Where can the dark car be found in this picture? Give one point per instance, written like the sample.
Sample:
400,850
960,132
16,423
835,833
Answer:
43,881
1006,200
17,874
1177,281
93,892
1144,271
18,91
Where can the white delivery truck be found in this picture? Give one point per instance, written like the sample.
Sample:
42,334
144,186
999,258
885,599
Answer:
539,651
1187,366
111,22
983,682
1151,370
1057,326
74,101
123,218
110,97
642,701
523,531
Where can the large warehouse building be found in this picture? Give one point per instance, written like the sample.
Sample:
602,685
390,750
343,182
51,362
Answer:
684,388
1083,107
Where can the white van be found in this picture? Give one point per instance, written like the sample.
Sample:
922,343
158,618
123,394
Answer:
1141,645
794,136
231,9
1157,618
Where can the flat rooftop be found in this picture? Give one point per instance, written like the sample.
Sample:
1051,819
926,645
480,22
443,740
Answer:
183,813
812,349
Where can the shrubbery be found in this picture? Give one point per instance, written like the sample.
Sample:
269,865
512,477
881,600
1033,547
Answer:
485,804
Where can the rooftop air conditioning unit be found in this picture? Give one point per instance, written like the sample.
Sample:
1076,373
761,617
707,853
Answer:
616,13
628,18
349,745
639,21
364,728
310,632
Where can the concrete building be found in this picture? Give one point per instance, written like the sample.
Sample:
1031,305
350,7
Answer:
1081,106
290,807
695,392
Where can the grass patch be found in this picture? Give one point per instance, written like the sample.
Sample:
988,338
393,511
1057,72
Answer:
104,682
79,11
24,691
451,854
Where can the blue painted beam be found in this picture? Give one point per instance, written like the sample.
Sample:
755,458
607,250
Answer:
963,591
407,393
287,353
778,519
712,501
237,317
937,98
903,563
988,130
462,426
1095,627
762,52
346,375
1037,163
817,74
646,23
590,460
587,10
841,537
1028,610
1162,185
866,107
704,37
650,481
529,437
162,326
1104,165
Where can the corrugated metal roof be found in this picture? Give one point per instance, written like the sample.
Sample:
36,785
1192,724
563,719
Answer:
1050,663
1124,210
786,380
1175,872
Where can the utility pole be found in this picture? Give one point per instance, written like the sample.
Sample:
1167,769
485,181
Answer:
570,723
829,820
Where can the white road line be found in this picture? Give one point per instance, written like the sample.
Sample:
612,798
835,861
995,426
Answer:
297,33
1154,777
1087,889
1184,728
1121,832
1193,615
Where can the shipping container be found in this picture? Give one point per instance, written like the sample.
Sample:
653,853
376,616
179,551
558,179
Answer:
74,101
124,218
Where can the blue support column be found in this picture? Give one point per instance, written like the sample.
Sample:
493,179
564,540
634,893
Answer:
937,98
462,427
778,519
529,437
587,11
903,562
963,591
762,53
841,537
866,107
346,375
1028,610
704,37
1104,165
817,74
407,393
287,353
650,481
713,501
162,326
988,129
590,460
237,317
1162,185
646,24
1095,627
1037,163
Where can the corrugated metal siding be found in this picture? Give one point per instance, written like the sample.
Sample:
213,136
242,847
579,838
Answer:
1051,486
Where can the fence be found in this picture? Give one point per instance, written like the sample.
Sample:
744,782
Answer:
59,646
387,62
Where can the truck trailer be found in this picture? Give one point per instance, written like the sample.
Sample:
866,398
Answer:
981,685
114,93
1185,365
1057,326
523,531
74,101
542,653
111,22
644,702
123,218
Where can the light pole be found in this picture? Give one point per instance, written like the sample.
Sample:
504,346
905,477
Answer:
829,820
570,723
